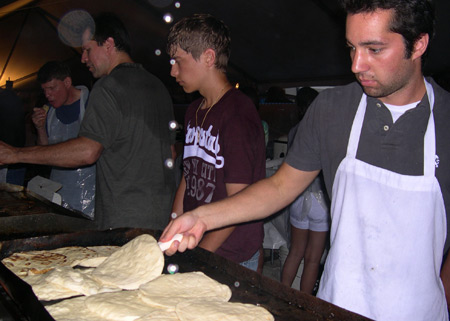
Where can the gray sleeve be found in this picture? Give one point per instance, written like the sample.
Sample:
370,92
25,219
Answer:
304,153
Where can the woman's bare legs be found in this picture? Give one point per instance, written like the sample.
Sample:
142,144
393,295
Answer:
307,245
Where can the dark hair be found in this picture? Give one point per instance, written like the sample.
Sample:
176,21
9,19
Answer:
53,70
197,33
109,25
411,19
304,98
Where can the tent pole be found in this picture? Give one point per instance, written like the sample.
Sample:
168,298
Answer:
14,46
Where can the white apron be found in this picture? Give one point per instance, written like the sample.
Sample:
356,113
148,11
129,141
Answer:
78,191
387,237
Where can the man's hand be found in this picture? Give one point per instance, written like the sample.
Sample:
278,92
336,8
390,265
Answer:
190,226
38,117
7,154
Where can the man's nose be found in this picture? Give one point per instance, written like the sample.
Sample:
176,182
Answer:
83,57
174,71
359,62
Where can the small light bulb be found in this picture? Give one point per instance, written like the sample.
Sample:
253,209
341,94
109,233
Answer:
168,18
172,268
168,163
173,125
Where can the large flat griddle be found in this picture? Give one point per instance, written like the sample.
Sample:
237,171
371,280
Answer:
24,214
284,303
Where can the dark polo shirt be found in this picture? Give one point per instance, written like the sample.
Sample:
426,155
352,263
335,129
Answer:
322,138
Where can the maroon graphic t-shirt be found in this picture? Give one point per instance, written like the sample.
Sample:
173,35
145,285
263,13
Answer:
224,145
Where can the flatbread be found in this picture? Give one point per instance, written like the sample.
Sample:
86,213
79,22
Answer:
74,254
104,250
38,261
196,310
65,282
121,306
72,310
44,292
77,281
170,289
137,262
160,315
92,262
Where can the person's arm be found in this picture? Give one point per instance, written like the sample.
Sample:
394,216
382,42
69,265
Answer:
75,152
177,206
445,277
255,202
214,239
39,118
42,137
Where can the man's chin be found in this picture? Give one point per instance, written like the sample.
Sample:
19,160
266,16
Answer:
371,91
187,90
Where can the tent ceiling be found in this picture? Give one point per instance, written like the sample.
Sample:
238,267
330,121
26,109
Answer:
273,42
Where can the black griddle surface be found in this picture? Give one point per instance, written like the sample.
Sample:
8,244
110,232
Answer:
285,303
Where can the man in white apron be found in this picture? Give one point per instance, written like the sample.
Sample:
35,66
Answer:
59,123
382,144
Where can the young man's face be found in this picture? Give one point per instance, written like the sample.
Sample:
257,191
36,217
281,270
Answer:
378,55
94,56
186,70
57,91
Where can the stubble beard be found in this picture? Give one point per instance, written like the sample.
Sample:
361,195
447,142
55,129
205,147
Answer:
382,91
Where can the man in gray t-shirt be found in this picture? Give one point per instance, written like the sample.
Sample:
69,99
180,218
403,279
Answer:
125,130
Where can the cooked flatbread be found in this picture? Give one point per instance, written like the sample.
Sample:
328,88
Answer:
224,311
45,292
65,282
168,290
160,315
38,261
92,262
104,250
78,281
74,254
121,306
72,310
137,262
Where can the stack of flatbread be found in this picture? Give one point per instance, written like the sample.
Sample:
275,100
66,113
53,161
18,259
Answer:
126,284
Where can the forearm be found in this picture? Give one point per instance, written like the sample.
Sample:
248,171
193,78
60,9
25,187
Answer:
254,202
258,200
42,138
72,153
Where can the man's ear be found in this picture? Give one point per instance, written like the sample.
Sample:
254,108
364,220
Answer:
109,43
67,82
420,46
210,57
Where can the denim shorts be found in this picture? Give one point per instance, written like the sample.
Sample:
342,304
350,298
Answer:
251,263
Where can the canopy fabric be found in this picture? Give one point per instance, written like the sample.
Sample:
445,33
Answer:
284,43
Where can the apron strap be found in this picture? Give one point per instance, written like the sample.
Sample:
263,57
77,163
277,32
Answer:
355,133
429,138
